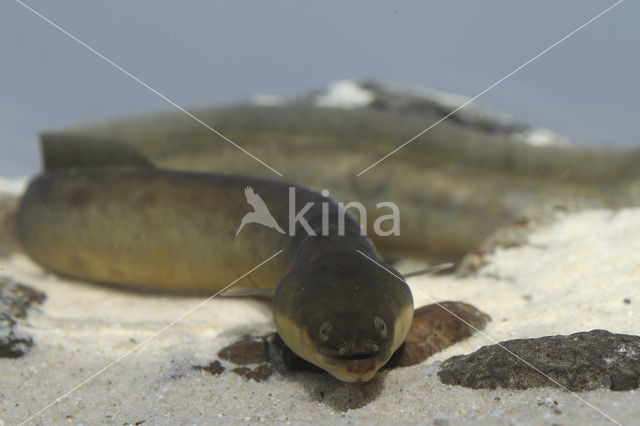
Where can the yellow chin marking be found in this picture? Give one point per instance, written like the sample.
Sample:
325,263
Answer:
402,326
341,371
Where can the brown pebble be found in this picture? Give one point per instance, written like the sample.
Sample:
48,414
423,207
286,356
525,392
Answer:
260,373
213,367
249,350
521,222
436,327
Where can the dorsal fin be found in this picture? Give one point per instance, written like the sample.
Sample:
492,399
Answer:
72,151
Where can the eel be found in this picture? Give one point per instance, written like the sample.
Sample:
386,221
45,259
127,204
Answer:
454,185
112,217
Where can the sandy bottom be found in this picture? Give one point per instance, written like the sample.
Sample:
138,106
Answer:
120,358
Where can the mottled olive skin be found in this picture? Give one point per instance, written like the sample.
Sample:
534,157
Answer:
153,229
150,229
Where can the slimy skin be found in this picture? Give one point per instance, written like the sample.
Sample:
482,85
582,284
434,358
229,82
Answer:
153,229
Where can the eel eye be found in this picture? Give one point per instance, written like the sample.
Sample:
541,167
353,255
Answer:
380,325
325,330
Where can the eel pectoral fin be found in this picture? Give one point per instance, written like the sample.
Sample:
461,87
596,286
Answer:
73,151
247,292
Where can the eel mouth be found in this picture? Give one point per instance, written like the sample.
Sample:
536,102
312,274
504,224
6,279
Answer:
355,357
343,354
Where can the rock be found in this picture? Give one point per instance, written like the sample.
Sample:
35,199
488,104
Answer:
12,345
214,368
249,350
15,300
436,327
260,373
577,362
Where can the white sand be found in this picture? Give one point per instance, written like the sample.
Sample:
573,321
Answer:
572,277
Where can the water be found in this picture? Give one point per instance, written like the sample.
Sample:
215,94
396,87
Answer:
202,53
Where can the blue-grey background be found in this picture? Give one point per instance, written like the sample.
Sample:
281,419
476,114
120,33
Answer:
210,53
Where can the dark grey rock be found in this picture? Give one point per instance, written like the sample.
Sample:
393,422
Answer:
12,343
8,240
15,300
578,362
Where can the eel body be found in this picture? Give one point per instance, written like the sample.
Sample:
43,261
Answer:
454,185
148,228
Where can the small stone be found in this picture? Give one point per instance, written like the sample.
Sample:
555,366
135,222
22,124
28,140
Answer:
15,300
578,362
214,368
627,301
260,373
12,345
250,350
